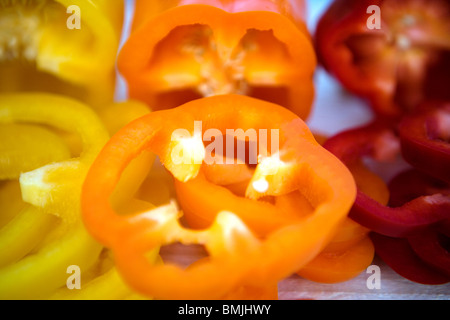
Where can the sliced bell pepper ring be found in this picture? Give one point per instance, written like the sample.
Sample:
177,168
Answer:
101,282
261,292
25,148
396,65
398,254
40,52
412,183
201,198
24,233
10,201
431,244
379,141
115,117
39,186
340,266
347,236
350,251
425,140
183,50
237,257
432,248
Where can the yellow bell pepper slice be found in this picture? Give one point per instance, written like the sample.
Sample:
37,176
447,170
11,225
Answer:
35,246
10,201
53,189
61,46
24,148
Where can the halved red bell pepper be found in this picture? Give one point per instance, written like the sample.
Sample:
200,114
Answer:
237,257
186,49
396,67
425,139
379,141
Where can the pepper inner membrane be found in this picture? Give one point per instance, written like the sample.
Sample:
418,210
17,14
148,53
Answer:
236,175
34,39
191,63
410,59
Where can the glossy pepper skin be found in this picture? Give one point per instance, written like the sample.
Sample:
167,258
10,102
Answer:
425,139
379,141
183,50
396,67
423,257
237,256
398,254
40,52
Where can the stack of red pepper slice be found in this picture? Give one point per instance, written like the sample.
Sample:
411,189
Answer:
396,55
423,256
419,204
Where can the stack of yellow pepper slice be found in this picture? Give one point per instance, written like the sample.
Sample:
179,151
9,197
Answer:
41,233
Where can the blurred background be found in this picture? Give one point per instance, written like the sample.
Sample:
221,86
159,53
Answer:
334,109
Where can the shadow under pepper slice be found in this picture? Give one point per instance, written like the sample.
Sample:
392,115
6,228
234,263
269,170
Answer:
183,50
378,140
236,256
397,66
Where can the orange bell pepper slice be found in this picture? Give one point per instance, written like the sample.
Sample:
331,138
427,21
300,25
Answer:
182,50
351,250
340,266
202,198
237,257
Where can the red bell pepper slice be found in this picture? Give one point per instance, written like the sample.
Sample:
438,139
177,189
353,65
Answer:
431,245
432,248
398,254
413,183
395,67
425,138
378,141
